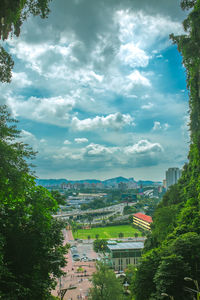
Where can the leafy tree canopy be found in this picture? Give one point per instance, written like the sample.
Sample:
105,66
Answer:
105,285
31,240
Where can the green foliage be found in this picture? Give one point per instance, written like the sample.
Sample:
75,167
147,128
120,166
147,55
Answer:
6,65
169,277
31,240
105,285
129,210
59,198
121,235
100,245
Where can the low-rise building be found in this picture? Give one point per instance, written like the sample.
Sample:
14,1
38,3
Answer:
143,221
120,255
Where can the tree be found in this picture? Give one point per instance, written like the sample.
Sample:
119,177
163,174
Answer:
90,218
169,277
143,285
105,285
31,241
12,15
100,245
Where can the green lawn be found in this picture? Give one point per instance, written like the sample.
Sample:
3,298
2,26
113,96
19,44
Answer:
107,232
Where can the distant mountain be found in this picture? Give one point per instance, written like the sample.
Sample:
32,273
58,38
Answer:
47,182
112,181
115,180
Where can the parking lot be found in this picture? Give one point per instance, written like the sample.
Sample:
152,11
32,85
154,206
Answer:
81,260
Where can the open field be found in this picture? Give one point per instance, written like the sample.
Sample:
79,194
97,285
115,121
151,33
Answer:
107,232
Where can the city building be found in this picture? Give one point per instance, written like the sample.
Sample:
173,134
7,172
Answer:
120,255
172,176
143,221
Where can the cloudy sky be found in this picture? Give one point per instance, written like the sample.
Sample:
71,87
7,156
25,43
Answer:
99,89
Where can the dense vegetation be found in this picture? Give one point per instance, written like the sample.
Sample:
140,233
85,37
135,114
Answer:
31,240
172,250
105,285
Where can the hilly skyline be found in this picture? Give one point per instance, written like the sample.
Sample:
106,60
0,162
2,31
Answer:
46,182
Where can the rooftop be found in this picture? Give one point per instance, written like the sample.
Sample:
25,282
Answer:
126,246
143,217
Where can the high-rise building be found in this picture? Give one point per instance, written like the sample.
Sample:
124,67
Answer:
172,176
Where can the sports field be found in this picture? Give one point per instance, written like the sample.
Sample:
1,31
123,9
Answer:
107,232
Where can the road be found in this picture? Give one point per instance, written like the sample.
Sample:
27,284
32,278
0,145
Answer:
113,209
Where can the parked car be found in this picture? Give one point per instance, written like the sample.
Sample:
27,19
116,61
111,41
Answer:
76,257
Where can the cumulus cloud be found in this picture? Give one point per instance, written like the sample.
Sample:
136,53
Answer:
145,29
136,78
103,157
81,140
90,57
30,139
99,150
114,121
147,106
66,142
133,56
20,79
143,147
53,110
157,126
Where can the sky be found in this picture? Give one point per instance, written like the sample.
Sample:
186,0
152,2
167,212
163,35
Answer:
99,89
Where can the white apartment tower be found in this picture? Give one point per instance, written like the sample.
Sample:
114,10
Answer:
172,176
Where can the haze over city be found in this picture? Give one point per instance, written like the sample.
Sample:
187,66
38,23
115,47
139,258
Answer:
100,91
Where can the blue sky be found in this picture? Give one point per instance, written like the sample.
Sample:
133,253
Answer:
100,90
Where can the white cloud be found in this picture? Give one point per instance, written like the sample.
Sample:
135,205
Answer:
158,126
145,30
143,147
99,150
136,78
20,79
147,106
66,142
81,140
166,126
133,56
30,139
113,121
53,110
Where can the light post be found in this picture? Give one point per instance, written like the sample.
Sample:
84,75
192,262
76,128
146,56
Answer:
166,295
196,285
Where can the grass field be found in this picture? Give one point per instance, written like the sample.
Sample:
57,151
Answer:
107,232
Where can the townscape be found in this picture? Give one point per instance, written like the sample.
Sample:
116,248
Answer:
99,150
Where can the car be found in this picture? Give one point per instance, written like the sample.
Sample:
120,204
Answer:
84,258
74,251
76,257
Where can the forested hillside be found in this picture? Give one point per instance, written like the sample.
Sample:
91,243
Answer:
172,250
